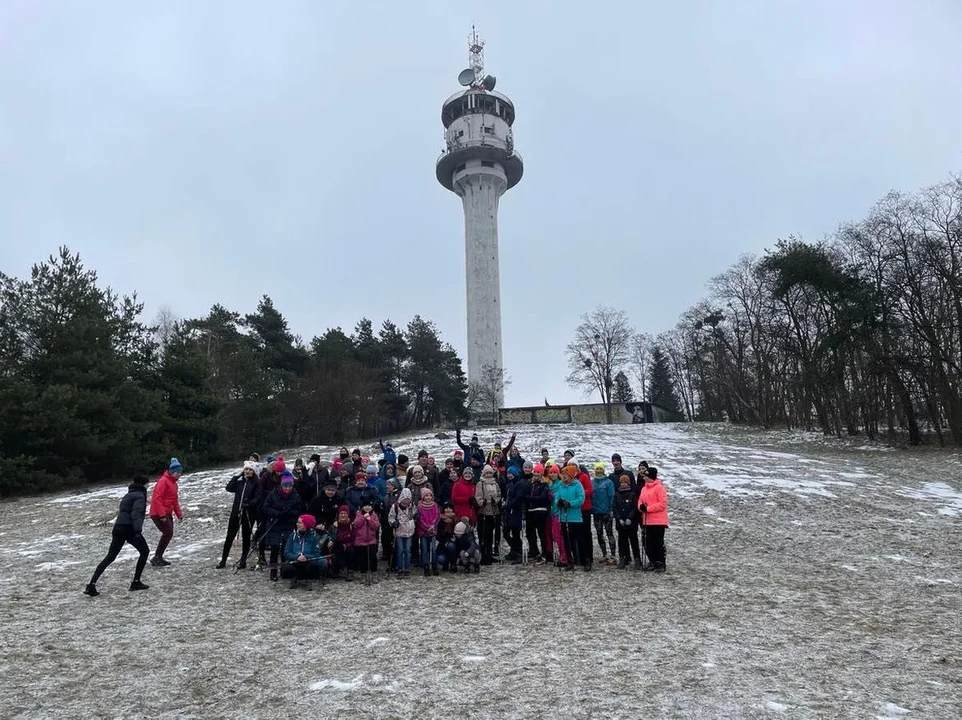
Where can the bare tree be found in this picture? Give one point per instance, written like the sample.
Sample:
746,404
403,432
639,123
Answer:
489,390
601,347
164,325
641,345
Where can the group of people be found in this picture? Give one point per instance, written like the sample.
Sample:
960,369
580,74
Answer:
317,520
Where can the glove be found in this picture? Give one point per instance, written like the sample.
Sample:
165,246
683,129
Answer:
643,507
473,502
563,504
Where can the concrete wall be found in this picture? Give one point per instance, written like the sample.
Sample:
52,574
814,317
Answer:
622,414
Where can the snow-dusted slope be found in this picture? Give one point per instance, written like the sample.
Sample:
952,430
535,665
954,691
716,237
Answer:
807,577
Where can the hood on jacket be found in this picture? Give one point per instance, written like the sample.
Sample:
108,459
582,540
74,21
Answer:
405,495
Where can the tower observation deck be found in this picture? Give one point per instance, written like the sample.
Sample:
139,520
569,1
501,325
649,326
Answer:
479,164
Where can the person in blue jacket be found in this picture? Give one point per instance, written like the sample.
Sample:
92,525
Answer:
389,455
569,496
602,501
377,481
303,562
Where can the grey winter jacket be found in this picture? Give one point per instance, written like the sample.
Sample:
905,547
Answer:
133,508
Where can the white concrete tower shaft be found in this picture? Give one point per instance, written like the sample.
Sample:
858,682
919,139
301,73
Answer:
479,164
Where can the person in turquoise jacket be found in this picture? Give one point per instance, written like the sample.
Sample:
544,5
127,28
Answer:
303,561
569,497
602,501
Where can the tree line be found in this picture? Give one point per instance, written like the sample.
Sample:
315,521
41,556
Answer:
858,333
90,391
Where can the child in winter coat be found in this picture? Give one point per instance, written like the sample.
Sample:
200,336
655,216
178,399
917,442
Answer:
366,526
402,517
466,545
602,498
626,517
344,542
387,530
653,505
428,516
446,553
488,497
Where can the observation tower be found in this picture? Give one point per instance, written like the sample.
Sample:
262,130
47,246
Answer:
479,163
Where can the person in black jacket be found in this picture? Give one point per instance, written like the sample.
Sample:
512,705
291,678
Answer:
626,518
538,516
324,506
247,498
128,528
280,512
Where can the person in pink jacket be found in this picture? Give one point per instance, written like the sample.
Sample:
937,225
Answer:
653,507
366,524
164,504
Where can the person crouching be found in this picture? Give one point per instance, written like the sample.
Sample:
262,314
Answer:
303,562
466,545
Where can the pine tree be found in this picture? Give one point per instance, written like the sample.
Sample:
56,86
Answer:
622,392
662,388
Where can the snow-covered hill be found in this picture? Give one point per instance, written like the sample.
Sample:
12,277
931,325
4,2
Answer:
807,577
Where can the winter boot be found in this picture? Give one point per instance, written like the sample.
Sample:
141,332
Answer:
660,568
158,561
623,563
273,574
638,564
350,576
91,590
294,583
221,565
427,571
137,585
308,585
242,564
434,570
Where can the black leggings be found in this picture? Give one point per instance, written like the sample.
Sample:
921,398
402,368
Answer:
571,536
121,535
655,544
628,541
486,524
238,521
535,529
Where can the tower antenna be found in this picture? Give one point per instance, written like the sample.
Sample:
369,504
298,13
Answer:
476,56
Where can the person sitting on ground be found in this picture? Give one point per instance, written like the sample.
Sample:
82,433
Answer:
128,528
402,518
447,555
247,498
653,505
466,546
303,562
428,515
280,510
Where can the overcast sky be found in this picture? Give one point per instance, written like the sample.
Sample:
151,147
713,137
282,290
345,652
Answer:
204,152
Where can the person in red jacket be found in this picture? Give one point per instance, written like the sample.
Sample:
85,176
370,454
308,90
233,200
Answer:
164,504
653,506
463,499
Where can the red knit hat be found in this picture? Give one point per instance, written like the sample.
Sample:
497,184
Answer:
308,520
359,475
344,509
538,468
554,469
279,465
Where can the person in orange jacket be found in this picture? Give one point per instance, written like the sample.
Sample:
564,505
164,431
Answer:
653,506
164,504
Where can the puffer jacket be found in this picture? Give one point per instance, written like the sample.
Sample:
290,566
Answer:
603,495
625,505
574,494
356,497
461,495
365,529
307,543
488,494
655,497
247,492
518,492
539,500
403,519
428,517
280,513
165,502
324,508
133,508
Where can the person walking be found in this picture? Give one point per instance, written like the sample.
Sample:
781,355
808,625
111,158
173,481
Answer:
128,528
164,505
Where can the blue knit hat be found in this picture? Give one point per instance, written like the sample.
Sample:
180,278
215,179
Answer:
371,469
175,466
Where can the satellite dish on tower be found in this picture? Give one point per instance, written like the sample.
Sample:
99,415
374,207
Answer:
466,77
489,82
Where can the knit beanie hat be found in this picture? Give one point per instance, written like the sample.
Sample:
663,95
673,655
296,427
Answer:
287,480
360,476
141,480
468,474
624,480
344,509
554,469
528,466
371,469
487,469
175,466
280,466
405,495
308,521
600,468
538,468
460,528
250,465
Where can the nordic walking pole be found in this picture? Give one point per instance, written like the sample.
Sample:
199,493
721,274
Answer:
254,545
644,536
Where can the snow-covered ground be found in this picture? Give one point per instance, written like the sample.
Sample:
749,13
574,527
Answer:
807,578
